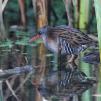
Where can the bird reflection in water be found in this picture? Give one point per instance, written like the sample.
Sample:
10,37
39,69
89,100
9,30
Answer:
72,82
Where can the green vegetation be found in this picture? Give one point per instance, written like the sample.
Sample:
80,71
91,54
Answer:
16,50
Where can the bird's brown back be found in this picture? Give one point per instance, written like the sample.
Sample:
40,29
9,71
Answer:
73,36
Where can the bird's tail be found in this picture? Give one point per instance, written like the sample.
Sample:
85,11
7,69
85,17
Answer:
94,42
94,45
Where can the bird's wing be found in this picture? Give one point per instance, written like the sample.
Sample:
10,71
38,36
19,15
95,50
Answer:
91,57
71,35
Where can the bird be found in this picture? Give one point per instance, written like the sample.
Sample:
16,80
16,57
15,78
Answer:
51,86
92,57
64,40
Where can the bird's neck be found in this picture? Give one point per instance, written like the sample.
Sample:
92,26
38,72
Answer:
50,43
44,37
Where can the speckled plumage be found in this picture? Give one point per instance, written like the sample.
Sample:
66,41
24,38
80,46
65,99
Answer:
92,57
67,36
65,40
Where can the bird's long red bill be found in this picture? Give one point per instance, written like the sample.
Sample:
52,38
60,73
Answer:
34,38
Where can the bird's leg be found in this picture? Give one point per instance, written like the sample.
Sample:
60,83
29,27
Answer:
72,58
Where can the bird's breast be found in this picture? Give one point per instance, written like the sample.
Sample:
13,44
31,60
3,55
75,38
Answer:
52,46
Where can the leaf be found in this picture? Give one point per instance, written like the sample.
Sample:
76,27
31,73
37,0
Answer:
38,41
49,55
7,43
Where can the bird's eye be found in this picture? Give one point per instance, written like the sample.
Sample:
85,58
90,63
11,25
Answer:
39,33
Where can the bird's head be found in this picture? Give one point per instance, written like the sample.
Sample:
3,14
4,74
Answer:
42,31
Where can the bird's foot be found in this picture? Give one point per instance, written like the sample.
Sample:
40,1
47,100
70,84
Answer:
71,66
72,59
